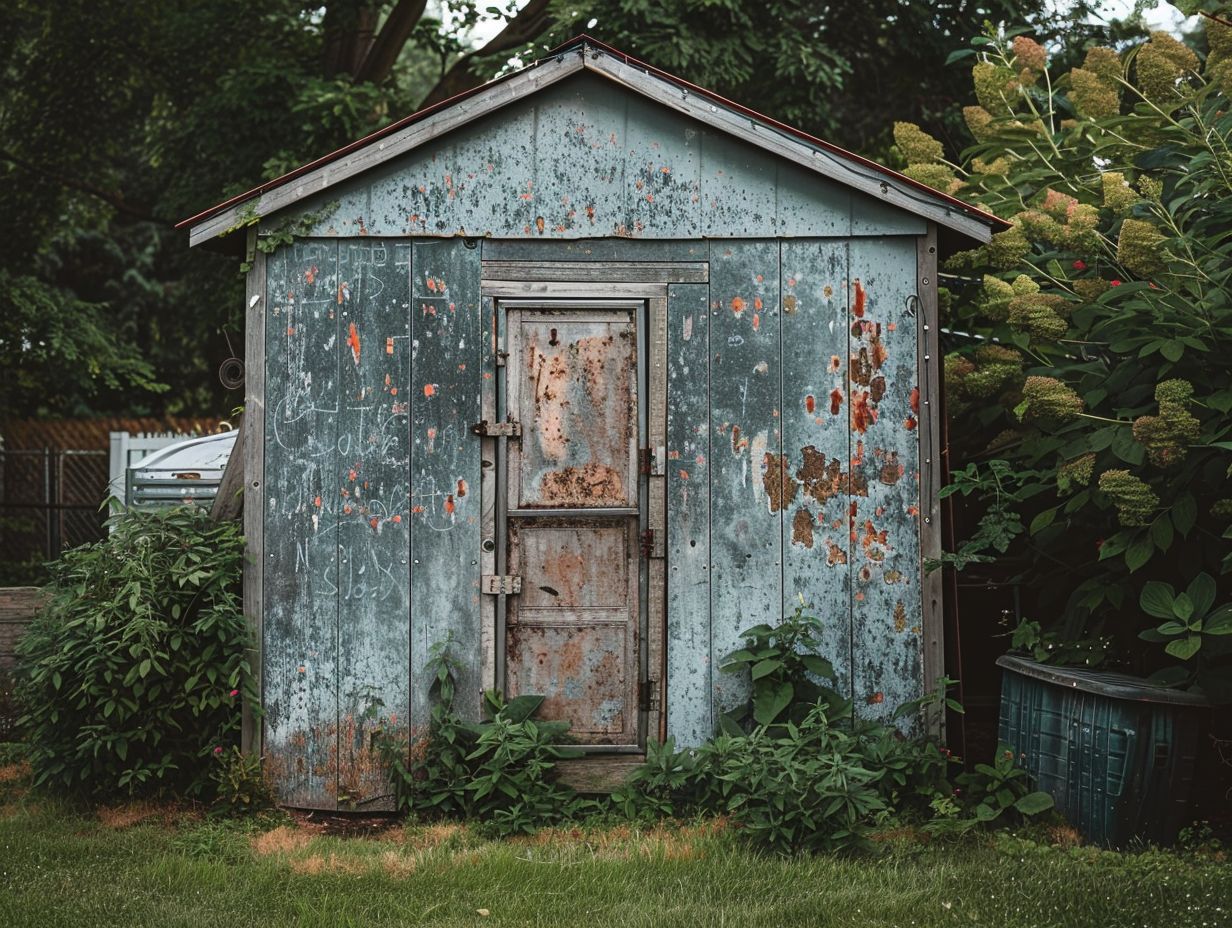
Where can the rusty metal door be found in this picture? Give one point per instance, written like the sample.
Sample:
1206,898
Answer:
572,514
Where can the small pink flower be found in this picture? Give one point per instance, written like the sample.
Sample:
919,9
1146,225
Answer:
1080,265
235,692
218,750
1114,283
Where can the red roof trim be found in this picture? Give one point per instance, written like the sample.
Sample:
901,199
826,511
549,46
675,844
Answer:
581,40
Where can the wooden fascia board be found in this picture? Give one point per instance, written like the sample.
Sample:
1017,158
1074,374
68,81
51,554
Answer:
879,186
413,136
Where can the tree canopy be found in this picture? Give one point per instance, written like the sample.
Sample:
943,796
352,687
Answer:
118,119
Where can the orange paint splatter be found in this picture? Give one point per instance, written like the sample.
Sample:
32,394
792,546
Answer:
396,519
389,345
836,363
354,476
684,475
757,304
810,404
346,509
857,309
310,275
429,389
540,225
836,401
863,412
374,522
290,330
353,341
461,488
915,400
909,423
756,321
317,502
737,305
449,505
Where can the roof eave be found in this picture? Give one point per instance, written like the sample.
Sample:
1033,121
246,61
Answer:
815,154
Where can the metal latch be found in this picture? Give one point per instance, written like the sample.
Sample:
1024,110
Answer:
648,695
501,584
485,429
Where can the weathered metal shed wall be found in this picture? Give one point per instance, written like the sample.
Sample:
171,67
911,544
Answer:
583,158
794,386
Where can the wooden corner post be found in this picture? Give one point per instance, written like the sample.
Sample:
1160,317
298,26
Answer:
930,367
253,451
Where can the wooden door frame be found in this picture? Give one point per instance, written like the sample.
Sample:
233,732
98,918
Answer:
539,283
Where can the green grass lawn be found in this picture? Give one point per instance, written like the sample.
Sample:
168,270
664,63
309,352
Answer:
138,866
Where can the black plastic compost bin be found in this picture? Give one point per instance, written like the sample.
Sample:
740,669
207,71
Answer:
1116,753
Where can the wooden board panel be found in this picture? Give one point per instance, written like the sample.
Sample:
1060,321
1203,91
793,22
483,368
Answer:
301,510
816,442
371,480
746,464
253,498
595,249
446,371
688,686
883,416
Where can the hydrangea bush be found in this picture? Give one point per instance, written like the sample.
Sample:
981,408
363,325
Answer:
1095,394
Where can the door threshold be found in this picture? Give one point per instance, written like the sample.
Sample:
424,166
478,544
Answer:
598,773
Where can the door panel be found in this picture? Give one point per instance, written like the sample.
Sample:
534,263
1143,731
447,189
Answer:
574,492
574,388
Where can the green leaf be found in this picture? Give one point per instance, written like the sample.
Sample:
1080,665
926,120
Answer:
1161,533
765,668
959,55
1184,648
1156,599
1034,803
1183,608
521,708
1201,591
1219,622
1184,514
772,702
1043,520
1139,552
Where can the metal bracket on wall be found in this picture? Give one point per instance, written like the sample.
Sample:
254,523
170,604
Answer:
485,429
501,584
648,695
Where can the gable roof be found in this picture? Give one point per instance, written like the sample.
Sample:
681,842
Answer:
587,54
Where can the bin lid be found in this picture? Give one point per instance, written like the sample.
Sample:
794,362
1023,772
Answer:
1101,682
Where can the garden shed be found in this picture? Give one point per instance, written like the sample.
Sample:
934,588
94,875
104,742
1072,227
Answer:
582,372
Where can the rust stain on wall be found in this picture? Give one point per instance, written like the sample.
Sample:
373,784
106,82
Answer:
777,480
802,527
823,480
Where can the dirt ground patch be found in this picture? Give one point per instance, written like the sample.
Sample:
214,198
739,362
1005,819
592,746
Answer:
284,839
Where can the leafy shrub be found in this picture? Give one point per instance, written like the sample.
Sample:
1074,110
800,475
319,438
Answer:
500,771
815,777
131,675
1100,450
239,783
785,672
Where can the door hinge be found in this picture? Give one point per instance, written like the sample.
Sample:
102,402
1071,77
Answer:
645,461
648,543
648,695
501,584
485,429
